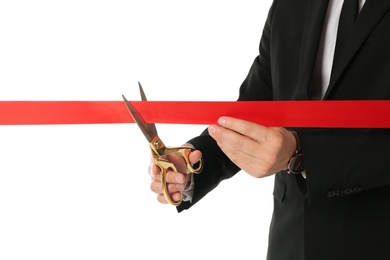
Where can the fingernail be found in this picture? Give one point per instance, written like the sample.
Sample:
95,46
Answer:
221,121
212,130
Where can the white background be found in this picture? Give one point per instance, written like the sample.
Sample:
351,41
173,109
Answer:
82,191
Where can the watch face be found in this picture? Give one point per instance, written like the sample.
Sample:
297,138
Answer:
296,164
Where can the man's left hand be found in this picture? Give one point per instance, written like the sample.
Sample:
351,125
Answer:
258,150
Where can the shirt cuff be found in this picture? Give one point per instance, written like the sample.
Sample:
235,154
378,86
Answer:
188,192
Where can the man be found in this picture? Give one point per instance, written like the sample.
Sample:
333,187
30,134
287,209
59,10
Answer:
339,206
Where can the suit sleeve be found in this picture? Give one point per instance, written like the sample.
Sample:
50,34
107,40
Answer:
344,162
256,86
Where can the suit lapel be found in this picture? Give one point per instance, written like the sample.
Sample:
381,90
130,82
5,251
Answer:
369,16
316,12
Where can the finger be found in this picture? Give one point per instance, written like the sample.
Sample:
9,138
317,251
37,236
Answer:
177,160
161,199
195,156
257,159
174,196
156,187
154,172
174,191
176,182
255,166
252,130
236,142
262,141
275,136
171,176
175,177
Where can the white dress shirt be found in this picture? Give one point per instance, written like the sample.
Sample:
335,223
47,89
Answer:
324,60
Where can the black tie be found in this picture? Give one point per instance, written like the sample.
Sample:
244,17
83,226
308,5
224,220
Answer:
348,16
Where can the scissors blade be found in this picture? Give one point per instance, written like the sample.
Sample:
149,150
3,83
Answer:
149,130
141,91
143,98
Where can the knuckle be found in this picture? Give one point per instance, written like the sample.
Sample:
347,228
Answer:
176,196
243,127
175,187
161,199
276,137
155,170
172,177
172,188
246,129
278,141
154,187
238,142
180,178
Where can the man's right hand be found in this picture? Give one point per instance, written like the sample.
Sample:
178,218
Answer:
176,181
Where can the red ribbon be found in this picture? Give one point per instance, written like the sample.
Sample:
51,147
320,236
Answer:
324,114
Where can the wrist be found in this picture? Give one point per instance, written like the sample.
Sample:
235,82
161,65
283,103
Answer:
296,162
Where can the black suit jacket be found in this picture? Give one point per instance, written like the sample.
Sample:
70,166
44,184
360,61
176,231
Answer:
342,209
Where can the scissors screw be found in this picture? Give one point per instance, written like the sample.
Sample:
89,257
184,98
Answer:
157,144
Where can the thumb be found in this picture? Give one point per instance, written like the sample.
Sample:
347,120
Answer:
195,156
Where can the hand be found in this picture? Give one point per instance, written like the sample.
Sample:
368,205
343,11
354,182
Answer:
176,181
258,150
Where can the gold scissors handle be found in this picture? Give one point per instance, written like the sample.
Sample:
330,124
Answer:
184,152
159,150
166,165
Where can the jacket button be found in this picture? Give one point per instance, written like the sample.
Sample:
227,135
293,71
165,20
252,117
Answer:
339,193
331,194
348,191
356,190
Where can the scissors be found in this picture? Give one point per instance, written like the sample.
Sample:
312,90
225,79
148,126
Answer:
160,151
